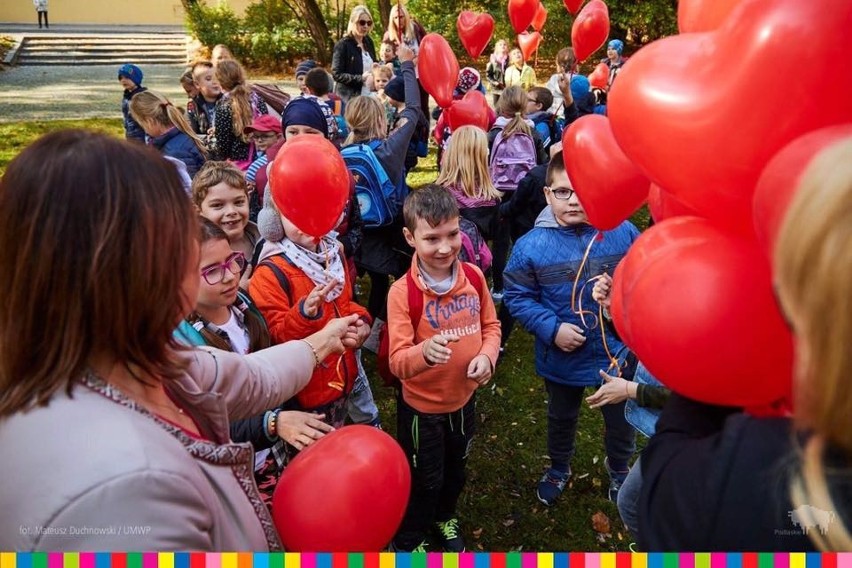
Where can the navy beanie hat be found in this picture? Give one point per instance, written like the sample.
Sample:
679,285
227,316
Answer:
395,89
132,72
303,67
304,111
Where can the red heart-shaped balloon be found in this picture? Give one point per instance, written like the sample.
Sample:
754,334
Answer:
521,13
608,184
590,29
540,17
475,30
529,43
689,296
705,132
471,110
780,179
599,78
663,205
304,166
702,15
573,5
437,68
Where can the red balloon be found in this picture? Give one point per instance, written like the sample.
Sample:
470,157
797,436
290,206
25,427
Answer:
599,78
475,30
521,13
609,186
438,68
590,29
529,43
702,315
573,6
471,110
540,17
780,180
347,492
702,15
663,205
304,168
737,120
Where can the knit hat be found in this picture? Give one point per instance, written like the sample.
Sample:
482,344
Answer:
580,88
395,89
617,45
304,66
263,123
305,111
269,220
132,72
468,79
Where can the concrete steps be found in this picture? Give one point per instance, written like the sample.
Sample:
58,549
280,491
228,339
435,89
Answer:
103,49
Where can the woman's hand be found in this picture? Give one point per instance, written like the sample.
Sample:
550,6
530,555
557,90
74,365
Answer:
301,429
329,340
612,391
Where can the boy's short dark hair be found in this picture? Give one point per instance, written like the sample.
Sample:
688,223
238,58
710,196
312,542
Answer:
317,81
542,96
557,164
433,203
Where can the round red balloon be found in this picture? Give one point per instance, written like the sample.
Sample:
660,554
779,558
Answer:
471,110
345,493
310,184
475,30
590,29
522,13
713,165
609,186
529,43
438,68
599,78
540,17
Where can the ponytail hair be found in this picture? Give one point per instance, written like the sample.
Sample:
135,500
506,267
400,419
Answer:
153,107
232,78
465,164
512,104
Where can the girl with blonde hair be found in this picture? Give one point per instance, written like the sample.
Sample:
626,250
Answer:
464,173
235,111
168,129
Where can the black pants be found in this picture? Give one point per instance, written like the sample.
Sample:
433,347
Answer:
500,246
40,14
377,304
563,409
437,447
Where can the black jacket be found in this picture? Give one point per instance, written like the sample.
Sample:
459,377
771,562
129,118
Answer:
347,66
524,205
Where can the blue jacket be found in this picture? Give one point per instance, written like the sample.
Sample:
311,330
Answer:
178,145
132,130
538,281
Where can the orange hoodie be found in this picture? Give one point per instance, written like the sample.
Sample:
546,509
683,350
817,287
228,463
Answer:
463,311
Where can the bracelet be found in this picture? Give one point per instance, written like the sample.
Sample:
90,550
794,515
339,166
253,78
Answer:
271,420
314,351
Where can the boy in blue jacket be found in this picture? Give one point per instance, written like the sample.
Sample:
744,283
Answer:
568,351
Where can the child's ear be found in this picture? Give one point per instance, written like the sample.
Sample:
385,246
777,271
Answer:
409,237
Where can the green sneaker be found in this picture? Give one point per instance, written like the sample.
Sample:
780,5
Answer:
450,535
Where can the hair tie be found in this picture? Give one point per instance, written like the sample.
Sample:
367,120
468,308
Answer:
517,114
166,104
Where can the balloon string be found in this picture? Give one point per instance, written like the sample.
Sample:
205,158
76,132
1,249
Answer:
340,382
580,311
613,361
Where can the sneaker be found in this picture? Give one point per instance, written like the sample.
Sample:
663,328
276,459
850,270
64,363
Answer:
551,485
497,295
450,535
616,480
422,547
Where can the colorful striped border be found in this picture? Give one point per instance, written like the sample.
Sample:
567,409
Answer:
390,560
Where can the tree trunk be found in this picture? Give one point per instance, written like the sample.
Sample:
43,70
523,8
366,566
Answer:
317,27
384,13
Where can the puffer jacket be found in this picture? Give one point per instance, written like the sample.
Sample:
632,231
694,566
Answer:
178,145
539,278
132,130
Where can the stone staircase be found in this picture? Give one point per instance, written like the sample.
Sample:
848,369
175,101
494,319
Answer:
103,49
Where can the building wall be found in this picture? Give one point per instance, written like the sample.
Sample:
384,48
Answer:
115,12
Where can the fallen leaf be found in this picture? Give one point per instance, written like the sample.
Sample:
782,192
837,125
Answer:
514,494
477,533
583,476
514,423
508,522
596,482
600,522
595,460
479,546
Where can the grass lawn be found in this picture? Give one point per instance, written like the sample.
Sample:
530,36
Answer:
498,510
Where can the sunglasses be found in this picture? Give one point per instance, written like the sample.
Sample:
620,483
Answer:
367,23
560,193
215,273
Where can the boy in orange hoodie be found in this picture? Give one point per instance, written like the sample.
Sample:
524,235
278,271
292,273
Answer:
441,361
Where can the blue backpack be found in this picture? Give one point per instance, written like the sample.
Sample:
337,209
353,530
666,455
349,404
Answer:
378,198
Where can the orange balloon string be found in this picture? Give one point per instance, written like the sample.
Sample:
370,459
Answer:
613,362
340,382
580,311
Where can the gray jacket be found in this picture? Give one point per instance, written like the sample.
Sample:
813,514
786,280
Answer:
99,472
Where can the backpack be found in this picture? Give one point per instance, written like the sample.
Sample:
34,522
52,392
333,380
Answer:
415,311
336,106
378,198
474,249
557,127
511,159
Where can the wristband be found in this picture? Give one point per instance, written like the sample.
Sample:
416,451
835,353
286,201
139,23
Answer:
314,351
271,422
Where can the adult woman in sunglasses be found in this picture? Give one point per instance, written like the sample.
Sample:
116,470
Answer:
114,436
354,55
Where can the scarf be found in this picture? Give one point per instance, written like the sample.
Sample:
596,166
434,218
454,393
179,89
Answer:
321,266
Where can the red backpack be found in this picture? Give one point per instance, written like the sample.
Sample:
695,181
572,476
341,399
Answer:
415,311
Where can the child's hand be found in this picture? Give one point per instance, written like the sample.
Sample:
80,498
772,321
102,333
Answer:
612,391
301,429
435,349
405,53
356,335
315,299
602,290
569,337
564,82
479,370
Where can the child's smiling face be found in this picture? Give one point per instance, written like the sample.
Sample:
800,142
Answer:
227,207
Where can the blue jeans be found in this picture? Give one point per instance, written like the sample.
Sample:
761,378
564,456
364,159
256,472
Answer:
628,499
360,404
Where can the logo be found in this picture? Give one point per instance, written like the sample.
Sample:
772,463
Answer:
807,517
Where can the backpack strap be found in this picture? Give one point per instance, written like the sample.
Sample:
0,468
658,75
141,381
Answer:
474,278
280,276
415,301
